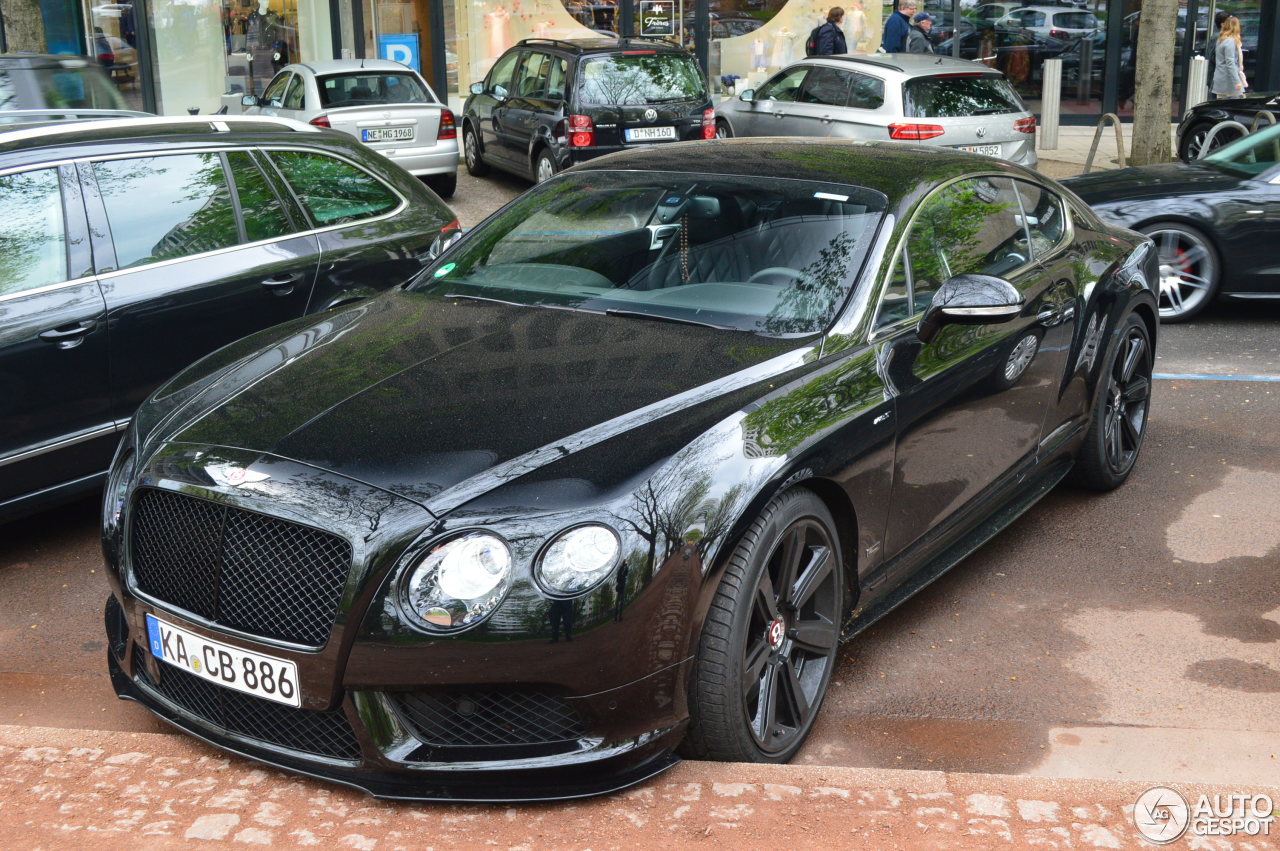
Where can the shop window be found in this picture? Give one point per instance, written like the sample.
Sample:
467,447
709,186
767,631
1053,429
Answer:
33,240
333,191
164,208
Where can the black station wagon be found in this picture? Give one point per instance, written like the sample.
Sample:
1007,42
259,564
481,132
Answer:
131,247
548,104
614,476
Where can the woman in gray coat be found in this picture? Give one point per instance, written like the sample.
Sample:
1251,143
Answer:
1228,71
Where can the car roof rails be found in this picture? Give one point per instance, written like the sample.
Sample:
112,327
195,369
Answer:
59,131
595,43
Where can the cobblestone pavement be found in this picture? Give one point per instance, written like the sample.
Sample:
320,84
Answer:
146,790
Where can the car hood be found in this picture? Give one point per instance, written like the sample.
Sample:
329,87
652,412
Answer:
1153,181
442,400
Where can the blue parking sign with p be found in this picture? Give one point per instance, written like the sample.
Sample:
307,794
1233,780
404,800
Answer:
402,48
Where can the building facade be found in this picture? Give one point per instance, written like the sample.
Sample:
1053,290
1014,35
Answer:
179,56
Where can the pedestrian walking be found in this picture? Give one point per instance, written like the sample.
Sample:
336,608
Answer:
1212,57
918,35
1228,72
897,27
830,37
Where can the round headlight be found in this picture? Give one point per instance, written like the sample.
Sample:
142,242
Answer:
579,559
459,582
118,487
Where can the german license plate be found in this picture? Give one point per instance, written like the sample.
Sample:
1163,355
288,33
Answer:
387,134
650,134
252,673
989,150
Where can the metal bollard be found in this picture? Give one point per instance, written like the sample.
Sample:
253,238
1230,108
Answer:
1050,103
1198,82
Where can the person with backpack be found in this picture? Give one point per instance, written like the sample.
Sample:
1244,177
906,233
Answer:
827,39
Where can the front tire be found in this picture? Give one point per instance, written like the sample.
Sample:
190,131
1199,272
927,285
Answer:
1119,412
769,643
471,155
1189,270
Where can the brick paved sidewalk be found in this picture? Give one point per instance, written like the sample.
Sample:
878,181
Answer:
103,790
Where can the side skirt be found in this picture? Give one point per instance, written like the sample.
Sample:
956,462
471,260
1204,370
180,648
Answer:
1021,501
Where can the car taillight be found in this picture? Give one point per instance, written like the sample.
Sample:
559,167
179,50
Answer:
708,123
321,121
1060,34
915,131
1025,125
582,131
448,127
453,224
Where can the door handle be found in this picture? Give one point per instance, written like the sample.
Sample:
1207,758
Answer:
282,284
69,336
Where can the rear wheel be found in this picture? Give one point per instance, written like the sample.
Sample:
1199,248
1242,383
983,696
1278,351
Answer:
443,185
769,643
1119,413
723,130
471,154
544,168
1192,143
1189,270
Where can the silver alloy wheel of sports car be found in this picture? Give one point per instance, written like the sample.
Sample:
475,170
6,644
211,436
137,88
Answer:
1188,270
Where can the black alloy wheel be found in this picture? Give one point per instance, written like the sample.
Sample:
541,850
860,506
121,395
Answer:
769,643
1192,145
1120,413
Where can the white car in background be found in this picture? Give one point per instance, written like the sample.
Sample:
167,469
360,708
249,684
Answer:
384,104
1063,23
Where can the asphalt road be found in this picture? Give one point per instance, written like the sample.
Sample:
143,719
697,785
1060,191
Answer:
1133,635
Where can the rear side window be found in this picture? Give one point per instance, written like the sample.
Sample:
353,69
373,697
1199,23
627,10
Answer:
338,90
866,92
959,96
333,191
639,79
164,208
264,217
826,86
1075,20
33,240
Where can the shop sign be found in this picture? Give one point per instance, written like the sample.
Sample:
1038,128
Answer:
402,48
658,18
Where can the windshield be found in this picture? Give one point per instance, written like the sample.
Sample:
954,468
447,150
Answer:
777,257
1251,155
640,78
339,90
960,95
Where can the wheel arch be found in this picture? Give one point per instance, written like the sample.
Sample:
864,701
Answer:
842,511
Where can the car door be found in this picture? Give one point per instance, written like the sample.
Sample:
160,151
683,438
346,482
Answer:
492,105
362,240
774,104
819,103
56,424
194,250
523,110
971,403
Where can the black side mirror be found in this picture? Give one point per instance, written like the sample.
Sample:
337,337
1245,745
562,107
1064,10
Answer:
970,300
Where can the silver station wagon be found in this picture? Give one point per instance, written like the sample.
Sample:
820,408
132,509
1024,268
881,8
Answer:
938,100
384,104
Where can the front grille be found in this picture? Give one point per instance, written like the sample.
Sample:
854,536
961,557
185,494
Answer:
487,718
327,734
237,568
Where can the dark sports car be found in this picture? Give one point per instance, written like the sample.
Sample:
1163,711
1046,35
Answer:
1195,126
616,474
1212,220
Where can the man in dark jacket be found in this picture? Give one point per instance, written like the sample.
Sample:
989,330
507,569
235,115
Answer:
830,36
918,36
897,27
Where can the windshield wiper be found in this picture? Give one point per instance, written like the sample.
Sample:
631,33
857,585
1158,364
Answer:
639,314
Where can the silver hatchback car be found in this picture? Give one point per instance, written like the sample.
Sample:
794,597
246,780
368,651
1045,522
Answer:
942,101
384,104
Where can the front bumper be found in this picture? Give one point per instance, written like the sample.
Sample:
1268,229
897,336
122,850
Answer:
366,745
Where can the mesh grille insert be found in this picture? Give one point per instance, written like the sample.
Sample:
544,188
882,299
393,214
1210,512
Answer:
485,718
326,734
237,568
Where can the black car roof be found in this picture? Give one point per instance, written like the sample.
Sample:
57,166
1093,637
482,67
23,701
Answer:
216,129
896,169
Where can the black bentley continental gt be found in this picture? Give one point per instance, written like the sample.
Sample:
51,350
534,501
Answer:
614,476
